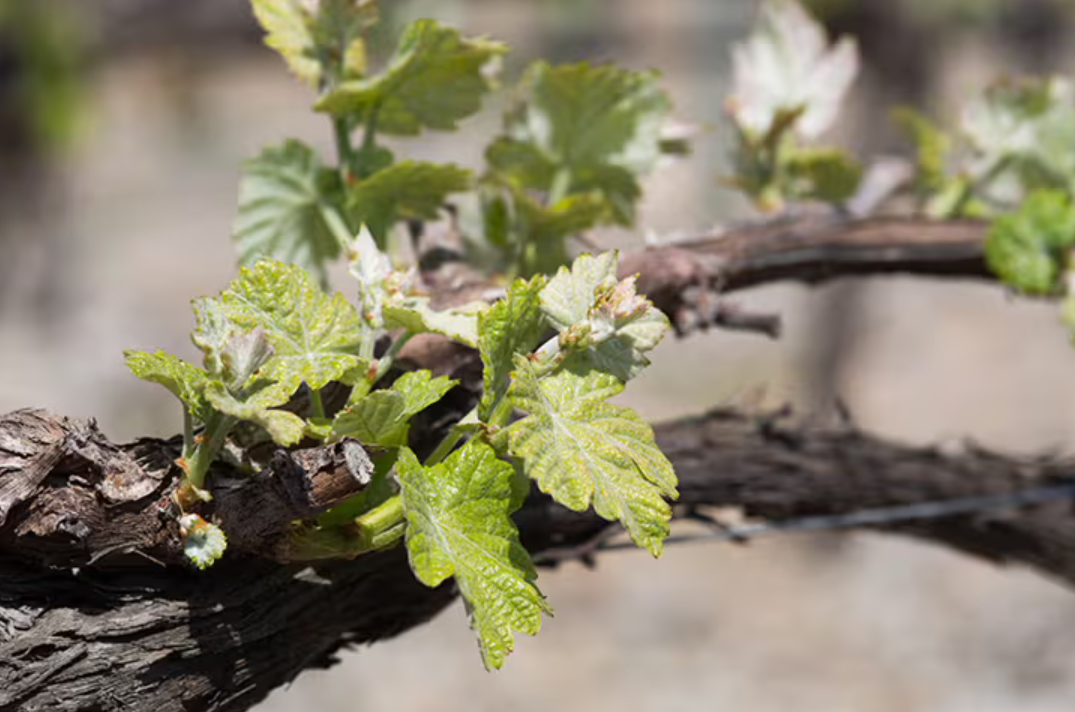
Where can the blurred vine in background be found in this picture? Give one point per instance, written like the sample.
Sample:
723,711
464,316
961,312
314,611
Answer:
40,78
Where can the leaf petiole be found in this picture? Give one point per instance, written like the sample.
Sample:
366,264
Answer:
338,226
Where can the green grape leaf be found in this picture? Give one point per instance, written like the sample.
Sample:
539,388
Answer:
787,65
416,316
323,39
256,404
512,326
286,202
1028,249
583,129
184,380
407,190
581,449
1023,132
435,79
383,417
315,336
825,174
604,324
459,524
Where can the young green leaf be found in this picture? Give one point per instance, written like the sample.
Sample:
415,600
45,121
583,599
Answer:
416,316
825,174
459,524
383,417
571,293
583,129
512,326
315,336
185,381
287,204
407,190
581,449
604,323
1029,248
257,404
788,65
436,78
212,333
317,39
203,543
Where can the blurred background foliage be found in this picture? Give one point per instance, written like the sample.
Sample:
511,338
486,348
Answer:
122,127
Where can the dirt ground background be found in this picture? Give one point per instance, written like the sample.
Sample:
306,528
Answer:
132,220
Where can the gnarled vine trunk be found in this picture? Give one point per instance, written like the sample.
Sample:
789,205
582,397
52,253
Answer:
98,610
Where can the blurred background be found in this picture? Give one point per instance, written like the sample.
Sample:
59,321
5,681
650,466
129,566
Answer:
122,126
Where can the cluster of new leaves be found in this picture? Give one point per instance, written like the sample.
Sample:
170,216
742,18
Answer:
294,208
788,85
573,150
274,330
575,143
1011,160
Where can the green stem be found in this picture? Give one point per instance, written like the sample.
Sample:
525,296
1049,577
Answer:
316,405
338,227
386,361
213,437
369,136
382,526
446,446
345,153
971,187
367,343
188,433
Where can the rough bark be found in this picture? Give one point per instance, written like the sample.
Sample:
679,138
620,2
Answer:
98,610
129,632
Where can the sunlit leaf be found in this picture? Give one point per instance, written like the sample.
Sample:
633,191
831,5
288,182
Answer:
315,336
415,315
383,417
257,404
184,380
582,450
459,524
